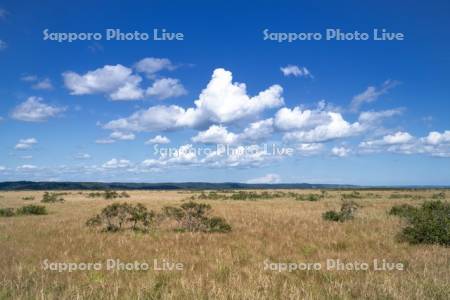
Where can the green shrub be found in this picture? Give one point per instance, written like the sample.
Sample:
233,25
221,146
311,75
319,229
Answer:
51,198
29,198
217,224
403,210
124,195
108,195
429,224
111,195
121,216
309,197
32,210
440,195
347,211
331,215
352,195
405,196
6,212
192,217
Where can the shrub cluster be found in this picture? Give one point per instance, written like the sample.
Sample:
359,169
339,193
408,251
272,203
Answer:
192,217
405,196
24,210
403,210
108,195
7,212
253,196
29,198
52,198
189,216
309,197
122,216
352,195
347,211
440,195
428,224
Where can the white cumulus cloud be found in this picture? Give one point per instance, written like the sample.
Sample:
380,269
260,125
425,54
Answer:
222,101
26,167
166,88
293,70
151,65
334,127
117,81
216,134
340,151
123,136
159,139
34,110
266,179
25,144
116,164
436,138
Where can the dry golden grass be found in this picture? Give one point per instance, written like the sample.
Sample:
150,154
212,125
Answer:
219,266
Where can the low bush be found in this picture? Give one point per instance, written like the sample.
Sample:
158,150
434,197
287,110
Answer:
331,215
51,198
29,198
7,212
403,210
192,217
428,224
108,195
211,196
440,195
217,224
309,197
32,210
406,196
352,195
122,216
347,211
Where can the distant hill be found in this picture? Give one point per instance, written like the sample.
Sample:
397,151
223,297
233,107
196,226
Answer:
32,185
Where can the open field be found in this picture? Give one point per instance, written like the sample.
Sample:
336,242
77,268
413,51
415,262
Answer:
221,265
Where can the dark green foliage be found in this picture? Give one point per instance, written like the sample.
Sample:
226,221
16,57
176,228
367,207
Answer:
331,215
440,195
352,195
403,210
108,195
217,224
309,197
29,198
192,217
242,195
124,195
122,216
405,196
7,212
52,198
347,211
211,196
429,224
24,210
32,210
254,196
171,212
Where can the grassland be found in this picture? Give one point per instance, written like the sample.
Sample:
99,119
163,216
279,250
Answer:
221,266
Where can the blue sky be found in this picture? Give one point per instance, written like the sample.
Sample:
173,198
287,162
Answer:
357,112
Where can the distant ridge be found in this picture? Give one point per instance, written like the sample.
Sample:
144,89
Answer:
74,185
47,185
